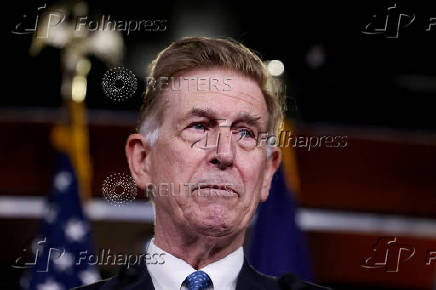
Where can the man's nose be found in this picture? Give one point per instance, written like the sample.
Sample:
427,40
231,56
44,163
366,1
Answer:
223,154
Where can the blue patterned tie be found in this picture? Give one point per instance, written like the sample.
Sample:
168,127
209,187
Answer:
198,280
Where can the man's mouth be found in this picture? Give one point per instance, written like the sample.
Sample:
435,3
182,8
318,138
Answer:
224,190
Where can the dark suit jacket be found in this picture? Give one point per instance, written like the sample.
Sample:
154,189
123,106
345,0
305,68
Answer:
138,278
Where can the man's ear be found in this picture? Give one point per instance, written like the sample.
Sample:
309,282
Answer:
138,157
272,164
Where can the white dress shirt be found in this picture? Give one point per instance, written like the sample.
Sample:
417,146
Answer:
171,274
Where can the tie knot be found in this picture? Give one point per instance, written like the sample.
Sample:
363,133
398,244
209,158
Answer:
198,280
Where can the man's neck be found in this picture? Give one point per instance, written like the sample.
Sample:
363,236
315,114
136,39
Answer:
195,249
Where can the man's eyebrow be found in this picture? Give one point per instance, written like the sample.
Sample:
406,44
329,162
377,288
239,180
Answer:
206,112
243,117
199,112
250,119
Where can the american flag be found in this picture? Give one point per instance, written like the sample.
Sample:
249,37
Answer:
64,236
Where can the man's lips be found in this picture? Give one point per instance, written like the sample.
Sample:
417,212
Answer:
215,187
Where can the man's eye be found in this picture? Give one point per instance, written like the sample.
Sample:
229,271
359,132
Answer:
245,133
198,126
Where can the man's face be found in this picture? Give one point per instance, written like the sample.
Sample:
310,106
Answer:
218,184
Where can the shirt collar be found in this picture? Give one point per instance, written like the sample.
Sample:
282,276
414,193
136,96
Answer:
172,273
224,273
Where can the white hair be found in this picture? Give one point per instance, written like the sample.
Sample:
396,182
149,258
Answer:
268,150
150,130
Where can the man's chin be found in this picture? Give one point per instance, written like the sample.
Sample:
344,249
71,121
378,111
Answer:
216,231
217,223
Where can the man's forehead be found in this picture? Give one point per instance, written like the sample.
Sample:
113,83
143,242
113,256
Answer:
219,89
215,80
219,106
189,94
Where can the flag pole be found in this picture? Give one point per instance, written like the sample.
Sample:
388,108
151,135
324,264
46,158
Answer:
72,137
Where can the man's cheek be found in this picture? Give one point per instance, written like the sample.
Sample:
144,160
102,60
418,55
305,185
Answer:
191,138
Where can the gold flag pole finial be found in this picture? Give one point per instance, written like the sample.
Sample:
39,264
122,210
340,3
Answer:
72,137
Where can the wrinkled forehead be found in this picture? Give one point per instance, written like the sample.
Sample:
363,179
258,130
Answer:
222,91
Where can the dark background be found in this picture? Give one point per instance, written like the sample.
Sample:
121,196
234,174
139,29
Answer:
363,80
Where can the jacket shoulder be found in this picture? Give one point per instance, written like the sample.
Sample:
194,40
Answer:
250,278
136,277
95,286
291,282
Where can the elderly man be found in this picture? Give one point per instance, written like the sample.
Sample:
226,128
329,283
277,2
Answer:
198,154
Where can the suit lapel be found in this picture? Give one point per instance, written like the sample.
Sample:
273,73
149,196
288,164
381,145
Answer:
133,278
248,278
145,282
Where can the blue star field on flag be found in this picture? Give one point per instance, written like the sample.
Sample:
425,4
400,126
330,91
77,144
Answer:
63,237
